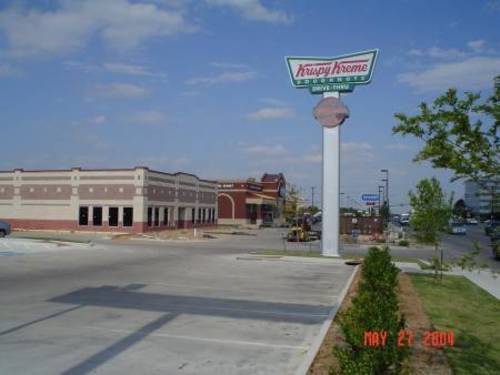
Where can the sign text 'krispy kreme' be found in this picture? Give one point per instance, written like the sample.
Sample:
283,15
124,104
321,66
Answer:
341,73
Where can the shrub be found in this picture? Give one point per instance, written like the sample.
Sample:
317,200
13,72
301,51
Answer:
375,308
404,243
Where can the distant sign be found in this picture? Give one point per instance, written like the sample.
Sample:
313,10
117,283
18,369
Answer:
330,112
340,73
370,197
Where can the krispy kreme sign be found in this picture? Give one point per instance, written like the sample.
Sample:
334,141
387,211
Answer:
326,73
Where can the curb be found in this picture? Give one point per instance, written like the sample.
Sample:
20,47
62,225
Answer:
316,344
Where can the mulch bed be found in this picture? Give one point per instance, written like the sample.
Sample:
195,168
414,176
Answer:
423,360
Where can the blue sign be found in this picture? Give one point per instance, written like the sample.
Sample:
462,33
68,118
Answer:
370,197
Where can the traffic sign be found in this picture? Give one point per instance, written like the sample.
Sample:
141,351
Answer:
370,197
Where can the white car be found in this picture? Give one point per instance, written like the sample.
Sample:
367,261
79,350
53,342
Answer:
471,221
458,228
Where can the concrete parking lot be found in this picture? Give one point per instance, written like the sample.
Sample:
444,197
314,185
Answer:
161,308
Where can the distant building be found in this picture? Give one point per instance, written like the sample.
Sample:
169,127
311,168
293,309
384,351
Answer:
119,200
252,202
478,197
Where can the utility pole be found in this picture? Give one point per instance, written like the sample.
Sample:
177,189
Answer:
312,196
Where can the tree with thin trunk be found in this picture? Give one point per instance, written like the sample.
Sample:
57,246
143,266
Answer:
431,215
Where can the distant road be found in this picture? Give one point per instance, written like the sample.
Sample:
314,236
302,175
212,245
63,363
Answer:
455,245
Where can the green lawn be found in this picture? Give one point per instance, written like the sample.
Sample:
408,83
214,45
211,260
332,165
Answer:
473,315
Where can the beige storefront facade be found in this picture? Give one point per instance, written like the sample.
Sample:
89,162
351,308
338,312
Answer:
118,200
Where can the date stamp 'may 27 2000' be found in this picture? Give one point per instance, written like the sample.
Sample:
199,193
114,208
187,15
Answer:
434,339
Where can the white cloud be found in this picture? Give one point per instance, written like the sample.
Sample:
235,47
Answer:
253,10
226,65
7,70
162,163
357,150
151,117
222,78
129,69
313,158
272,101
493,5
476,45
472,73
269,113
398,147
101,119
119,90
260,150
437,53
70,25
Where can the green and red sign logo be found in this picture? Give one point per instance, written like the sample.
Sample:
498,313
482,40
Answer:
339,73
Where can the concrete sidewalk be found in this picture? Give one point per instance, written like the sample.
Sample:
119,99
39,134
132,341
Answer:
484,279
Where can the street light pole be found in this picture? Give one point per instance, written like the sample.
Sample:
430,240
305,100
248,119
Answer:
386,179
312,196
380,192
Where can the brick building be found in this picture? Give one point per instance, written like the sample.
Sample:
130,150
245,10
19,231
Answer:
250,202
119,200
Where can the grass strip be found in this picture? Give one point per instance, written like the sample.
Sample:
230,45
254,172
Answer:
472,314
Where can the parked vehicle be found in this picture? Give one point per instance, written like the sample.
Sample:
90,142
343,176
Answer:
404,220
4,228
491,226
471,221
458,228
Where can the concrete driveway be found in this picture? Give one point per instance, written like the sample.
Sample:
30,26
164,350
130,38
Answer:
162,309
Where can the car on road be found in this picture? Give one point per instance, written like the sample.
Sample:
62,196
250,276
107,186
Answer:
458,228
4,228
471,221
491,227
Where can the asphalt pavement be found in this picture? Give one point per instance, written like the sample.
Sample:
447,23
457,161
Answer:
455,246
148,307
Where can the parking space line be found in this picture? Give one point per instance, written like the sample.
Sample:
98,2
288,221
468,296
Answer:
206,339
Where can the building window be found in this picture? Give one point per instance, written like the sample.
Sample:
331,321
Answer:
157,216
165,216
128,216
150,216
193,214
113,216
199,216
83,216
203,216
213,216
97,216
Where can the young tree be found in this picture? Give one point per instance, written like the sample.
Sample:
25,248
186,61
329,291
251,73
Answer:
431,215
460,134
292,200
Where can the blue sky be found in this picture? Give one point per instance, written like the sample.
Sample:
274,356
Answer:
201,86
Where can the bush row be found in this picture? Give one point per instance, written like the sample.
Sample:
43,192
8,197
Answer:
374,308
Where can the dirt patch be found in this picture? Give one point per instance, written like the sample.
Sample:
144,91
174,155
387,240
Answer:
423,360
178,234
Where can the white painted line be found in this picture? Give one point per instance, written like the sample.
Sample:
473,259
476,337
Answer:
206,339
316,344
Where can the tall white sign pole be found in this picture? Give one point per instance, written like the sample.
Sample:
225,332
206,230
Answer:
330,226
330,76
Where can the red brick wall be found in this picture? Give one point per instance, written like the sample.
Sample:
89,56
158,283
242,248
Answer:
225,207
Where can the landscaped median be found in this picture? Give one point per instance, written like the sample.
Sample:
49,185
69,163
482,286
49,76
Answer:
394,323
